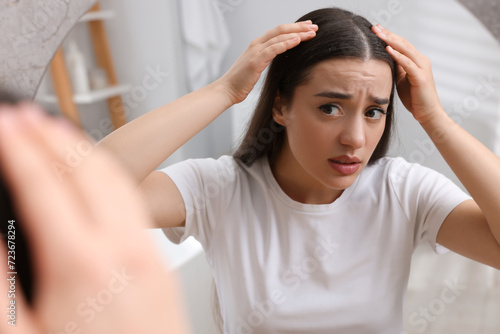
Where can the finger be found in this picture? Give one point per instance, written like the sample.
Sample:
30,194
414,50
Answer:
409,67
109,198
401,74
284,29
103,188
399,44
301,37
283,43
109,193
120,217
52,135
48,137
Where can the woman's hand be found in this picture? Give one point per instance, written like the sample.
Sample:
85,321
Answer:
415,82
96,268
245,72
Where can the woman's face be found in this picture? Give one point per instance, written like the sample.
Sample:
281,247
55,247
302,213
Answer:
333,125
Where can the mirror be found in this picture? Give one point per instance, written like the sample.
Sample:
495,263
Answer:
31,33
466,63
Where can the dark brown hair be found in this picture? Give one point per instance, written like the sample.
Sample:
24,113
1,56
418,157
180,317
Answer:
341,34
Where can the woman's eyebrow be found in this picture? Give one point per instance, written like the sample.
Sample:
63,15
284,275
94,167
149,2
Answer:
343,96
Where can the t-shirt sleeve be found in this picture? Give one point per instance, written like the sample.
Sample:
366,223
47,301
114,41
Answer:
206,186
427,197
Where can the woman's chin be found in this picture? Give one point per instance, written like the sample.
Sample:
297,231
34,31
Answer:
341,182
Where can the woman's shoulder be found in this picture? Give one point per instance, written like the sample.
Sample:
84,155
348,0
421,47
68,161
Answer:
224,167
397,171
388,162
397,164
383,168
401,174
205,166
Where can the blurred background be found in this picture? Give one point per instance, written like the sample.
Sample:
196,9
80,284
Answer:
161,50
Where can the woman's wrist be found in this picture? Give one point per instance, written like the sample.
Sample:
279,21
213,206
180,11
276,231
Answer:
436,124
432,117
222,89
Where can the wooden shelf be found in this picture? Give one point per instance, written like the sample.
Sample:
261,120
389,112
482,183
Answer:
91,97
97,15
64,94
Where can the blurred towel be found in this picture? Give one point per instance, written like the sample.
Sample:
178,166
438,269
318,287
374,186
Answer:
206,41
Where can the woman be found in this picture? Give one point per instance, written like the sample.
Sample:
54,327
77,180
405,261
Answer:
308,228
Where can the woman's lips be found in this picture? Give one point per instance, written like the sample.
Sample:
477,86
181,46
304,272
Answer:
345,165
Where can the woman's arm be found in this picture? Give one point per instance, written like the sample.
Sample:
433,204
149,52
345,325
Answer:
472,229
143,144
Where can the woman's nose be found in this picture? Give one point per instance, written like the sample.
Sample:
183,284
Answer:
353,133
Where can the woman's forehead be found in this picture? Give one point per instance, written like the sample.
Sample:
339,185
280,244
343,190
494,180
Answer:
351,75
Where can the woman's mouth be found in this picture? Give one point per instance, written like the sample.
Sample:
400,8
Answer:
345,165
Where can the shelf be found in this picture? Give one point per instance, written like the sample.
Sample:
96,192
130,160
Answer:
92,97
98,15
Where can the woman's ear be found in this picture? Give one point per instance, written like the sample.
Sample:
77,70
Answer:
278,110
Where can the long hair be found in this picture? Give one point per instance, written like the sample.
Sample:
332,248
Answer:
341,34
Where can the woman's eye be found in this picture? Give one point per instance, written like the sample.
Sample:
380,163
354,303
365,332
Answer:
375,113
330,109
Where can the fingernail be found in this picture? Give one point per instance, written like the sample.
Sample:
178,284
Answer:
313,27
377,28
311,33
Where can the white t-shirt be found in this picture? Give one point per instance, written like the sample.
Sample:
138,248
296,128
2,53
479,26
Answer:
281,266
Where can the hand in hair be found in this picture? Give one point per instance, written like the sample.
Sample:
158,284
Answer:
245,72
96,269
415,82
